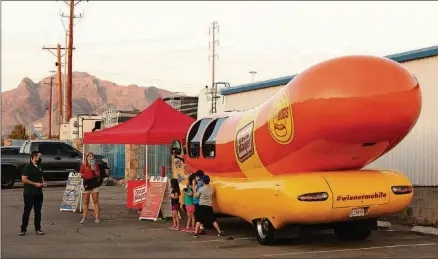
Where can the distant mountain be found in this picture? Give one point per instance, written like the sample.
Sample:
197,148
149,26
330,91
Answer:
29,102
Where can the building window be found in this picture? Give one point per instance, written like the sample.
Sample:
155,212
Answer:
209,138
195,137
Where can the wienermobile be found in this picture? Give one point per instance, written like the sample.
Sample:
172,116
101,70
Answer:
298,158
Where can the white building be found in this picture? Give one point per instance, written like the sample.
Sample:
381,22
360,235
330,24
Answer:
416,156
113,117
78,125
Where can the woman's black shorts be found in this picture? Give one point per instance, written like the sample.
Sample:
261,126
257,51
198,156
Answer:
205,214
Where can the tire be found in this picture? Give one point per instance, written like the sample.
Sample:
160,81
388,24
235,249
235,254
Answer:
8,177
265,232
351,232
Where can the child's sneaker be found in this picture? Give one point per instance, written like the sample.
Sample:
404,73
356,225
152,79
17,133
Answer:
220,234
186,229
195,236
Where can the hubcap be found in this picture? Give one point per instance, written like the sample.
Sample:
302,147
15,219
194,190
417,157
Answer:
263,227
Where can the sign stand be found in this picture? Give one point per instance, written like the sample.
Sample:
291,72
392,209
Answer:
73,193
154,198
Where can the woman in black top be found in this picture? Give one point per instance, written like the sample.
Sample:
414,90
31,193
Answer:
174,200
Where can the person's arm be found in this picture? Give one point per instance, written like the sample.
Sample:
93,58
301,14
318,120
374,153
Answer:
175,196
25,179
189,193
81,170
198,193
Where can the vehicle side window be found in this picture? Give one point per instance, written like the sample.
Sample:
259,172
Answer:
209,138
33,147
10,151
195,135
48,149
65,150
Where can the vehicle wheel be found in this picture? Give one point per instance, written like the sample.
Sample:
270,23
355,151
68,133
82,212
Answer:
8,179
8,184
351,233
265,231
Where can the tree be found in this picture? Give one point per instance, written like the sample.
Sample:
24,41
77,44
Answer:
19,132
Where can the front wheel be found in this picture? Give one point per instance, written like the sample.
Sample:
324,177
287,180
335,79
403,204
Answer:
8,184
265,231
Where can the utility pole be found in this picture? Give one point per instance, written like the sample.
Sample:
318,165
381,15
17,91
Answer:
72,5
252,74
58,64
212,31
50,106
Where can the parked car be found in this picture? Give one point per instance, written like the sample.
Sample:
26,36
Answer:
59,159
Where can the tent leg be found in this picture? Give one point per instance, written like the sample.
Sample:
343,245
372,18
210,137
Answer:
146,167
83,152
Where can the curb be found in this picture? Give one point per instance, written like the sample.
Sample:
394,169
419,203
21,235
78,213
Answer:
416,229
425,230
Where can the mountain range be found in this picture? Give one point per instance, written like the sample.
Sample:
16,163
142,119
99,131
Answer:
29,102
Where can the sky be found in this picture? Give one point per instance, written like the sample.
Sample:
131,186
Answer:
166,44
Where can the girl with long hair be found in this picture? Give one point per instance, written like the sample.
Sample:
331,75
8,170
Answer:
174,200
90,172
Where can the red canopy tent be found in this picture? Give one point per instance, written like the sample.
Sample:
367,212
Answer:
156,125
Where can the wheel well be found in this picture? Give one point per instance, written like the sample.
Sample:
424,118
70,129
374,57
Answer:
10,169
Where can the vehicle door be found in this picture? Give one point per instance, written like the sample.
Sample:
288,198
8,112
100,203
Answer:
70,159
50,155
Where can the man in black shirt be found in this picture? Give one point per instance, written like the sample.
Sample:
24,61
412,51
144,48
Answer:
32,178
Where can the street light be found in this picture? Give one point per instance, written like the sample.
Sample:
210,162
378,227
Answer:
252,72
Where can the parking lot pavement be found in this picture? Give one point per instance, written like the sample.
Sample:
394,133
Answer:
122,235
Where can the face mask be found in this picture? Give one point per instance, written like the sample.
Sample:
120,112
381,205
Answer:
92,162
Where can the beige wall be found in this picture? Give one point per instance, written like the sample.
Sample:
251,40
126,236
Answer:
417,155
248,100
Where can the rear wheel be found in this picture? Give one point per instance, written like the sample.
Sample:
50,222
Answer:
265,231
352,231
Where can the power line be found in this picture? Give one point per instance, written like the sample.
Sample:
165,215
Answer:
72,5
50,106
252,72
58,64
212,31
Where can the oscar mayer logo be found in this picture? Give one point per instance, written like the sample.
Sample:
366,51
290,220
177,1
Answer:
139,194
245,142
280,122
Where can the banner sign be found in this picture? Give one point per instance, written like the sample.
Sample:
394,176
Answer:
154,198
166,206
136,194
72,193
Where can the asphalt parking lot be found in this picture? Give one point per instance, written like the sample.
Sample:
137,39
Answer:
122,235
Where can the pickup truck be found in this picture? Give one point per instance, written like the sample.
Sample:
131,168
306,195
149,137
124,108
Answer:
59,159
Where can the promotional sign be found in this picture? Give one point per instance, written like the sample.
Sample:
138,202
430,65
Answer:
154,198
136,194
166,206
72,193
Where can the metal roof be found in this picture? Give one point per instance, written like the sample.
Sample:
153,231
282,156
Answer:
400,57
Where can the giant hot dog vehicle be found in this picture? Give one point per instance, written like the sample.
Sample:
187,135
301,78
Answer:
297,159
